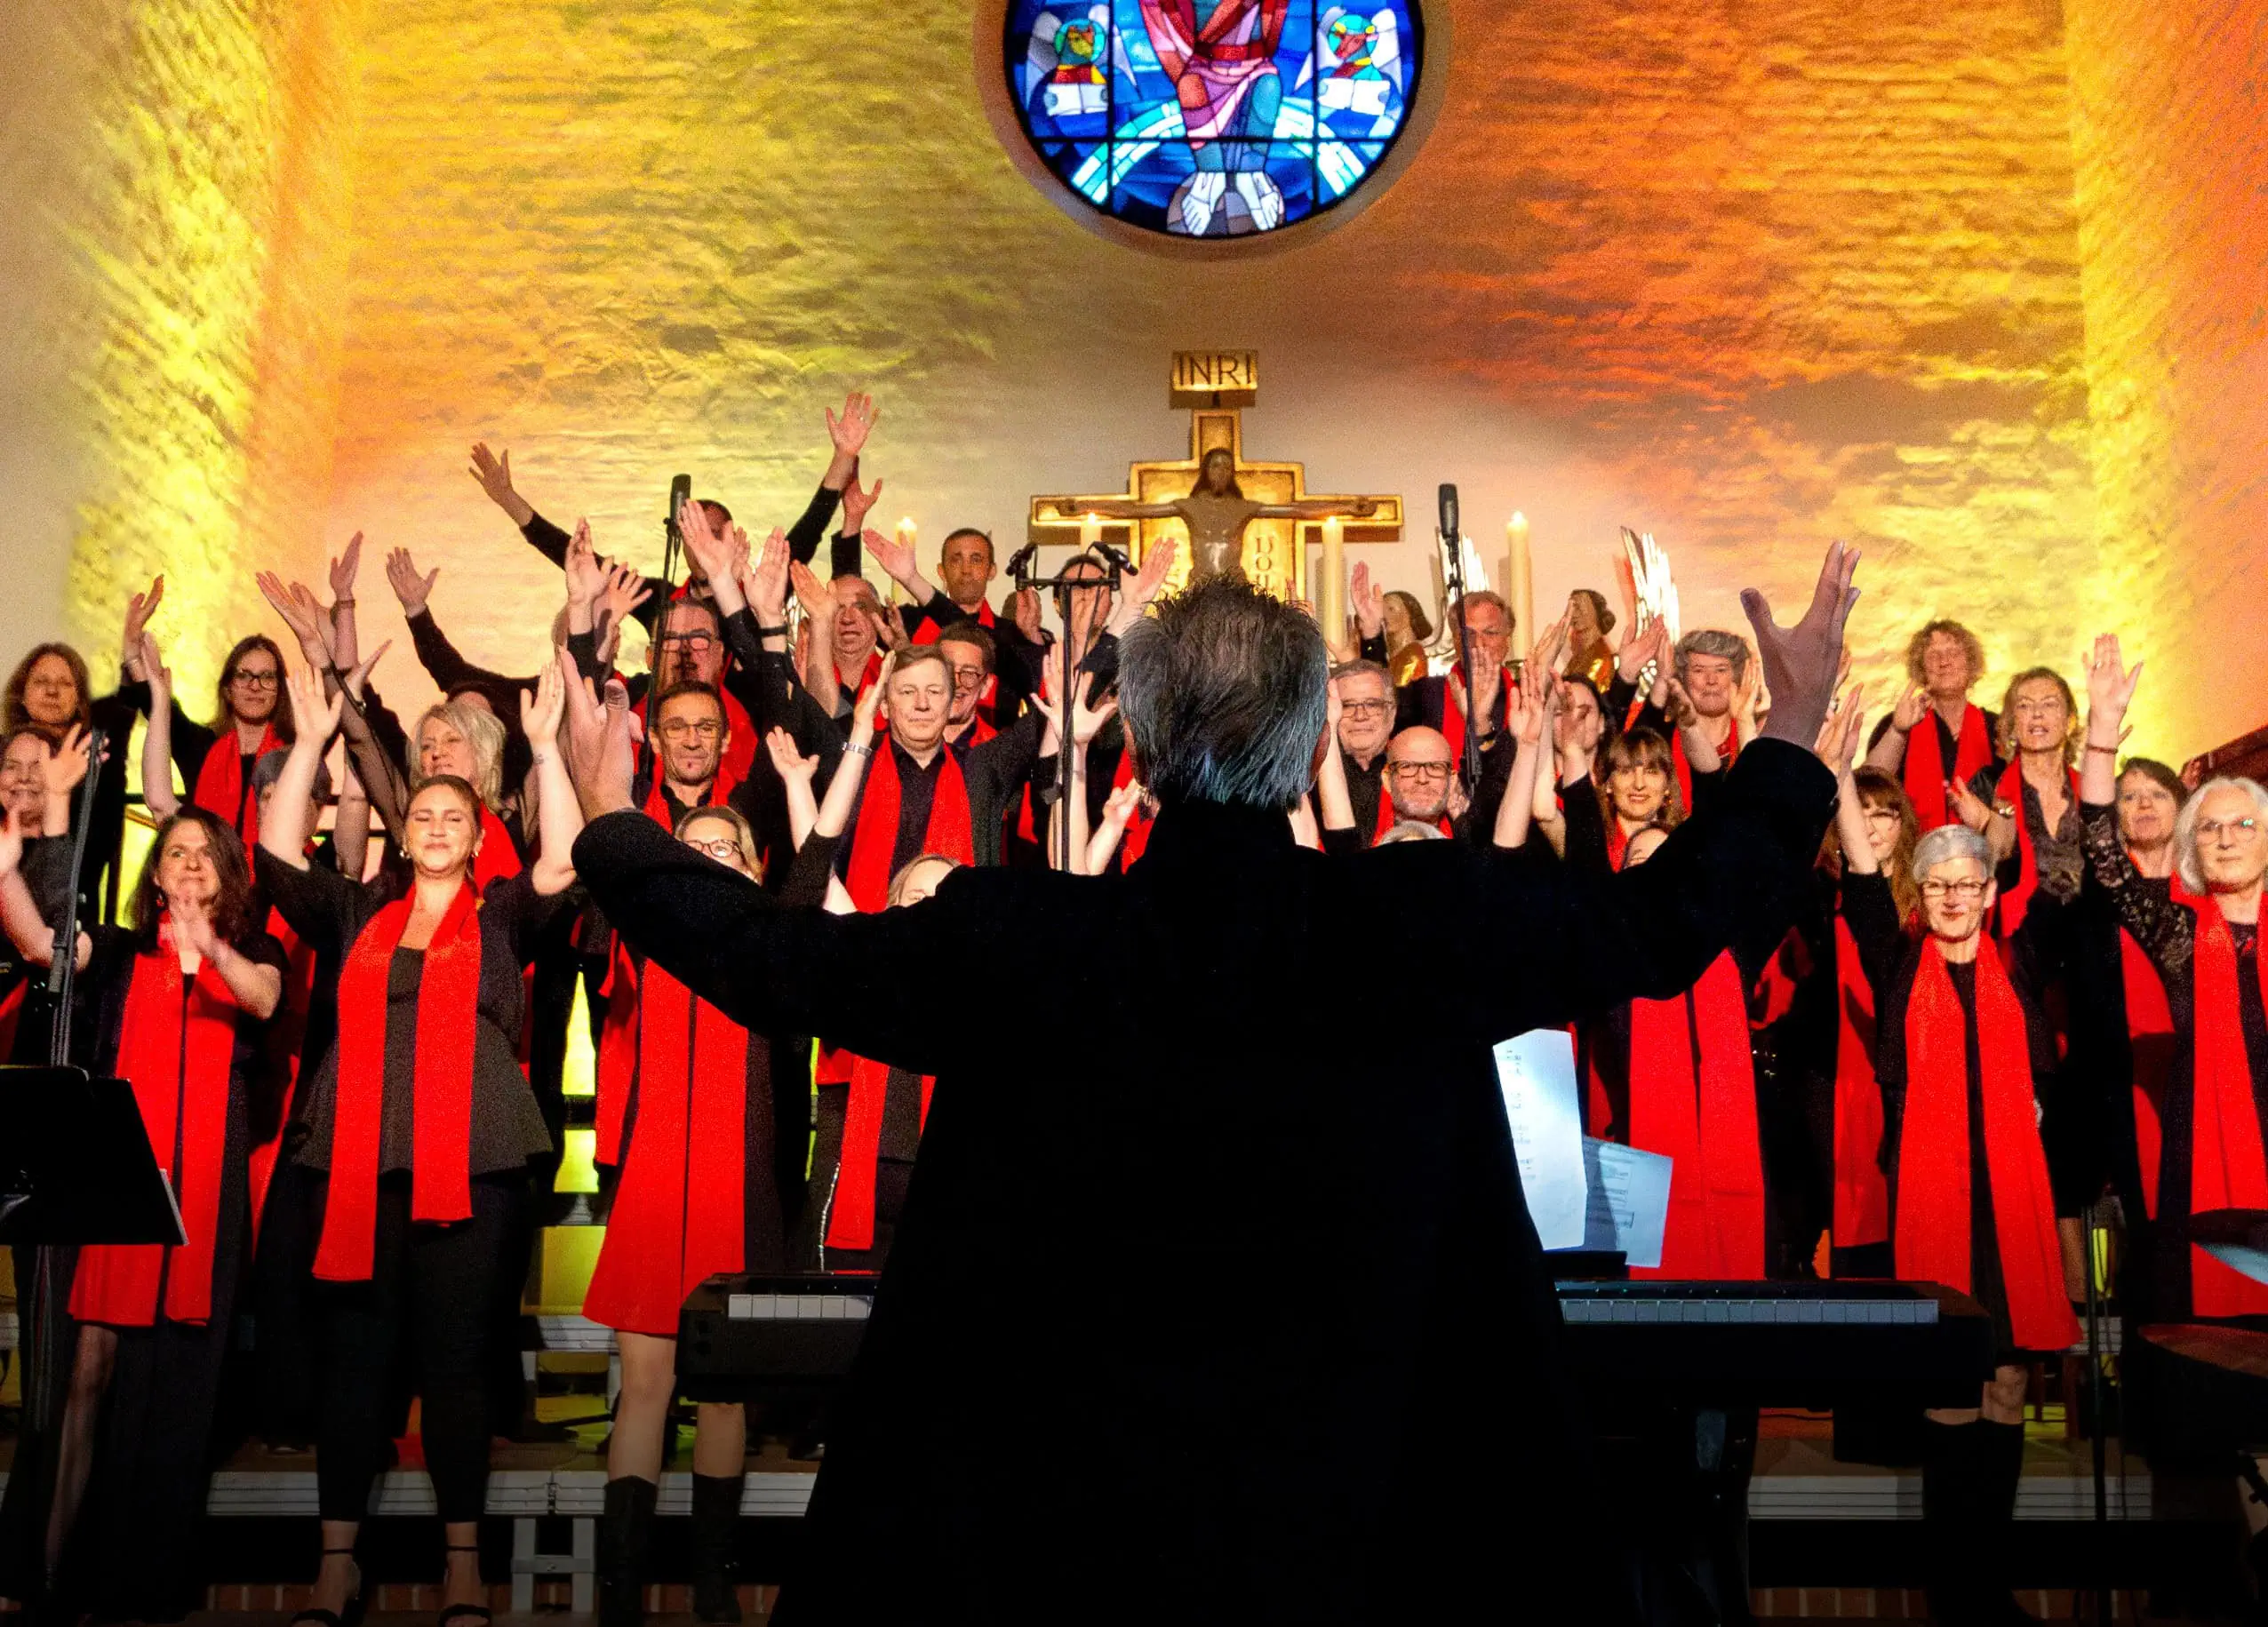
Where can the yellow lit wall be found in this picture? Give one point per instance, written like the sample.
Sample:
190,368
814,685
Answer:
1746,276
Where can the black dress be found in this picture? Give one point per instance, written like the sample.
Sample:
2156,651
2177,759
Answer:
1338,1242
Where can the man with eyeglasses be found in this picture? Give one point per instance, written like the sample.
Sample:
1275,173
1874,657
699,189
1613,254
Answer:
1365,724
1421,783
967,651
1439,702
691,734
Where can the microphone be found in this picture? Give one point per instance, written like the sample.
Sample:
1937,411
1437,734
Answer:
1449,527
1019,563
681,492
1124,566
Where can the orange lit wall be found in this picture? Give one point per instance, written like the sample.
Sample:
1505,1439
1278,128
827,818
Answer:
1746,276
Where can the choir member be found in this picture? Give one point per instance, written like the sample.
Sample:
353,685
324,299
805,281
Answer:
2200,930
700,1192
1364,692
2029,811
1421,784
174,1004
1224,693
1966,1059
216,762
971,656
492,473
692,739
1440,703
845,655
47,693
1641,789
965,567
1703,702
1944,660
2139,1046
423,1124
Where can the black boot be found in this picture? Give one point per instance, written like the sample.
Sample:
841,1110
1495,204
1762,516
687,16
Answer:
716,1529
1948,1576
625,1532
1996,1469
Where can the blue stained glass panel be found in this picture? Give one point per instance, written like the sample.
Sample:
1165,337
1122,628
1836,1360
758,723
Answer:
1212,118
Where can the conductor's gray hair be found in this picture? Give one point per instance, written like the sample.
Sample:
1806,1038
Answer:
1224,693
1947,843
2186,824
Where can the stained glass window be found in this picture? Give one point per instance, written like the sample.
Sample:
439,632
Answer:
1212,118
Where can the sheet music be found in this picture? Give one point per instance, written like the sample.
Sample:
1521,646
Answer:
1629,1205
1536,1073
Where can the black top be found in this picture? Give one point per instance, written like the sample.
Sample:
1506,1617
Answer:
330,912
1364,1168
108,976
1949,743
2059,856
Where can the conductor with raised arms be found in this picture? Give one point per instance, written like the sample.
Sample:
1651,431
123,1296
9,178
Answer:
1238,1315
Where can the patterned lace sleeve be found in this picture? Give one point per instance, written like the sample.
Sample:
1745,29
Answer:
2163,928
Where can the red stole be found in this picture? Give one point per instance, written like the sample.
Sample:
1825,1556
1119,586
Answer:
2227,1168
1930,1232
1137,836
850,1219
1453,710
875,839
1925,773
498,860
1862,1191
1727,755
442,1083
285,1044
661,808
2017,898
1700,1110
870,675
685,1164
2150,1035
220,781
175,1047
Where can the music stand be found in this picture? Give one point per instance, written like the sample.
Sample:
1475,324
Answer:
79,1167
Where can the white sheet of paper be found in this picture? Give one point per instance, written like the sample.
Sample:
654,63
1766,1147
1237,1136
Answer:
1629,1201
1535,1072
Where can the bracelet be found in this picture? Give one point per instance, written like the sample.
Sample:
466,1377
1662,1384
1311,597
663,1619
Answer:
2108,750
779,631
857,750
342,604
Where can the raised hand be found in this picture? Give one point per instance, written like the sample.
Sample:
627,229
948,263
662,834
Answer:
789,762
1838,737
1650,643
857,504
1911,707
1800,662
600,754
894,557
1024,609
410,590
870,708
766,581
1368,600
850,432
624,590
357,676
140,608
539,713
161,676
1149,579
315,717
12,843
586,571
1678,703
1086,721
297,606
1970,808
889,628
493,473
2110,685
344,569
67,760
710,550
1550,650
810,592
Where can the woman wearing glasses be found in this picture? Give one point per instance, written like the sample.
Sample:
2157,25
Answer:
216,760
696,1134
2204,941
1965,1059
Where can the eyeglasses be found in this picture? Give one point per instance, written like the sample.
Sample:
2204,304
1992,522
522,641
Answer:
678,728
1954,889
1363,708
695,641
724,850
1419,771
255,680
2241,830
970,674
1887,816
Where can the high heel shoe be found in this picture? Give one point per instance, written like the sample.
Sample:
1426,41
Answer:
478,1615
350,1616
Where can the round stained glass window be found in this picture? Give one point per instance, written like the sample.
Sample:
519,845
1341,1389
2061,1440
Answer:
1212,118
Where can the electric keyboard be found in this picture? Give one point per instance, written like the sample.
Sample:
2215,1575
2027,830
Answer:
1777,1344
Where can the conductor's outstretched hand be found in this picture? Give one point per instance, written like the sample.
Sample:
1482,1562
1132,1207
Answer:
1800,662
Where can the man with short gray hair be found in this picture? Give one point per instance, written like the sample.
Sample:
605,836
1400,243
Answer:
1235,1220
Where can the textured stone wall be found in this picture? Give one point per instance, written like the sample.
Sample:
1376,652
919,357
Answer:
1747,276
2169,120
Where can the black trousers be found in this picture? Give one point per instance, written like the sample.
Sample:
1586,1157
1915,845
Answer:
429,1295
287,1314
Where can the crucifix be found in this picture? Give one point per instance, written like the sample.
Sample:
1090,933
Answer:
1232,517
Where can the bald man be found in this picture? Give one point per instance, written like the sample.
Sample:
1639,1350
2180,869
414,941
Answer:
1421,781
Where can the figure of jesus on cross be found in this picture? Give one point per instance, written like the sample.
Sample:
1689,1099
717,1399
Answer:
1216,511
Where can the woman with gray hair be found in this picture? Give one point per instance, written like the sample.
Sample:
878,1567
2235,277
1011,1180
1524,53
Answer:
2205,944
1965,1059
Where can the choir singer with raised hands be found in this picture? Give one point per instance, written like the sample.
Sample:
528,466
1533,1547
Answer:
1302,1362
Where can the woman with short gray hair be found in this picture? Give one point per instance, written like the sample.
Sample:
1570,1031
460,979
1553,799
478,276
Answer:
2205,945
1965,1059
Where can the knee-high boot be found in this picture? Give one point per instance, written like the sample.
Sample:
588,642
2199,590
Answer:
716,1527
624,1532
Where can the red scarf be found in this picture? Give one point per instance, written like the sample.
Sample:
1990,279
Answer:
869,677
1727,755
1862,1191
2150,1036
1617,839
2018,900
1924,773
286,1043
498,860
175,1047
850,1218
1137,837
442,1083
684,1166
2227,1168
875,840
1700,1110
1930,1234
661,806
1453,710
220,781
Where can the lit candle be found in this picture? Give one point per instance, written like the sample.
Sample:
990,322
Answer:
1520,581
1331,602
1090,531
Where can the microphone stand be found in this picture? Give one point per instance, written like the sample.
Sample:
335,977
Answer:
672,542
1453,573
1112,564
